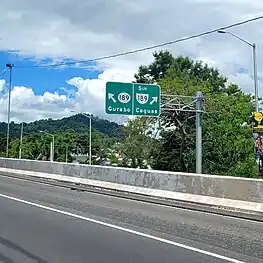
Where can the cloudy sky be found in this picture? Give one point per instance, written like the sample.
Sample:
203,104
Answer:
50,31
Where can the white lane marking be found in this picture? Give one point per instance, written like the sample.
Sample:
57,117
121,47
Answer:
138,201
123,229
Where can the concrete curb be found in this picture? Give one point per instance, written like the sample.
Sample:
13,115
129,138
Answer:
227,207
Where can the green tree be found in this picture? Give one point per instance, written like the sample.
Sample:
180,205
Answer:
163,60
227,146
136,149
180,68
2,144
65,145
230,143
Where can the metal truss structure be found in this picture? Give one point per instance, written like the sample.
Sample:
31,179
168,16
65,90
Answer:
188,104
179,103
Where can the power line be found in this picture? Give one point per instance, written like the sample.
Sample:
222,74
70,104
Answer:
145,48
3,73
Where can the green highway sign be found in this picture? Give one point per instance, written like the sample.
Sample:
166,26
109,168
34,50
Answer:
119,98
146,99
133,99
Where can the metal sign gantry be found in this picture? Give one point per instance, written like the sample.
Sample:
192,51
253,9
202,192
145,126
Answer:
178,103
188,104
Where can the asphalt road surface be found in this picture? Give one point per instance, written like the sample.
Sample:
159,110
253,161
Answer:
47,224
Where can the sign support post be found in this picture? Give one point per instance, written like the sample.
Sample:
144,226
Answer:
199,102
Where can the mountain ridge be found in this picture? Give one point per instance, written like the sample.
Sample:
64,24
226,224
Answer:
78,123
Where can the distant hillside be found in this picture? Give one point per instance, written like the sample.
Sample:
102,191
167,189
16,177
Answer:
78,122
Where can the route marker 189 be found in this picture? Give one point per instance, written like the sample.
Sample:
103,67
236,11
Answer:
132,99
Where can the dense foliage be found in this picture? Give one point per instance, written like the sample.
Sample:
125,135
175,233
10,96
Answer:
227,144
71,138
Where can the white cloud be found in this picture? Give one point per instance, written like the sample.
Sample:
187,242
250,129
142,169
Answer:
27,106
83,29
88,29
242,80
88,97
2,84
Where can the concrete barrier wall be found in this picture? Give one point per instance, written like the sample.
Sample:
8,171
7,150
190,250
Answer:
207,185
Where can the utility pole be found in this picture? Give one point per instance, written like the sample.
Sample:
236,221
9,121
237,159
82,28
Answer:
199,112
10,66
51,151
90,139
21,140
66,153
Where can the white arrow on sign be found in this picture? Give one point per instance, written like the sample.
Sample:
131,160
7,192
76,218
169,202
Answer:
111,97
154,99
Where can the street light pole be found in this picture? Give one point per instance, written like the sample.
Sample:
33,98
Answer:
255,76
51,151
21,140
52,145
90,139
10,66
88,116
254,63
66,153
